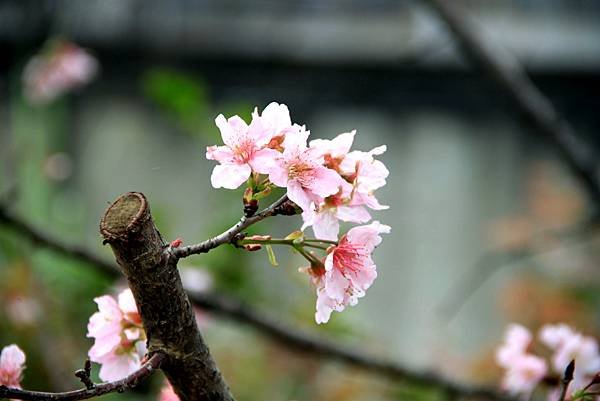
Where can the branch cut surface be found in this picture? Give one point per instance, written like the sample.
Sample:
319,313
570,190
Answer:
167,316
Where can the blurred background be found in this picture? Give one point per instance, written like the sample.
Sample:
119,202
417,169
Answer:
486,219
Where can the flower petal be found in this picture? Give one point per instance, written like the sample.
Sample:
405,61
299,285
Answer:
230,176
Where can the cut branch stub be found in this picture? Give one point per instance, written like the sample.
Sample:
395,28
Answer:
167,315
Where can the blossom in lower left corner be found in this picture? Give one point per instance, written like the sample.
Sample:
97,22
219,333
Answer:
120,340
12,363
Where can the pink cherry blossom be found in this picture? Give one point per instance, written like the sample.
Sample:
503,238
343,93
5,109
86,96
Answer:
523,370
301,171
12,363
324,217
349,270
120,340
516,341
567,345
167,393
244,152
362,176
275,120
65,66
367,174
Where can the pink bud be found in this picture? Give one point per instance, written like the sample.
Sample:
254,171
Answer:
176,243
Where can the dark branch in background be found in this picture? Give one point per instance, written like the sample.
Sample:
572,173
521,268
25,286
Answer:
302,342
510,76
41,238
131,381
229,307
493,260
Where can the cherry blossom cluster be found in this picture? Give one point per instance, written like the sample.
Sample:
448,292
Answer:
327,180
120,340
61,67
524,370
12,363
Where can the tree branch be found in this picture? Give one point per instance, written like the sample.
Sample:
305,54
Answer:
302,342
166,313
493,260
281,206
510,76
131,381
290,337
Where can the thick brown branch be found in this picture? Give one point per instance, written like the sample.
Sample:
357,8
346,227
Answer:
128,382
290,337
164,307
281,206
510,76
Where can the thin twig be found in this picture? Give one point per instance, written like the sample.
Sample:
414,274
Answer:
288,336
509,75
128,382
229,235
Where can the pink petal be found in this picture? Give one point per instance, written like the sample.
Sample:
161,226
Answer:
324,307
108,306
336,284
279,174
327,182
298,195
264,160
230,176
338,146
259,133
354,214
127,302
119,366
12,358
277,116
363,278
222,154
325,225
295,143
227,133
368,236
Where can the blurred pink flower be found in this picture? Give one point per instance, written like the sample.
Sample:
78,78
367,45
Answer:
12,363
516,341
349,270
301,171
567,345
523,370
120,340
244,152
167,393
63,67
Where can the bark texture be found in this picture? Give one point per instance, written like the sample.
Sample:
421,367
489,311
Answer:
151,271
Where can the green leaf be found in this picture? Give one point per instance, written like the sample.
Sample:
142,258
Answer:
295,235
271,254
